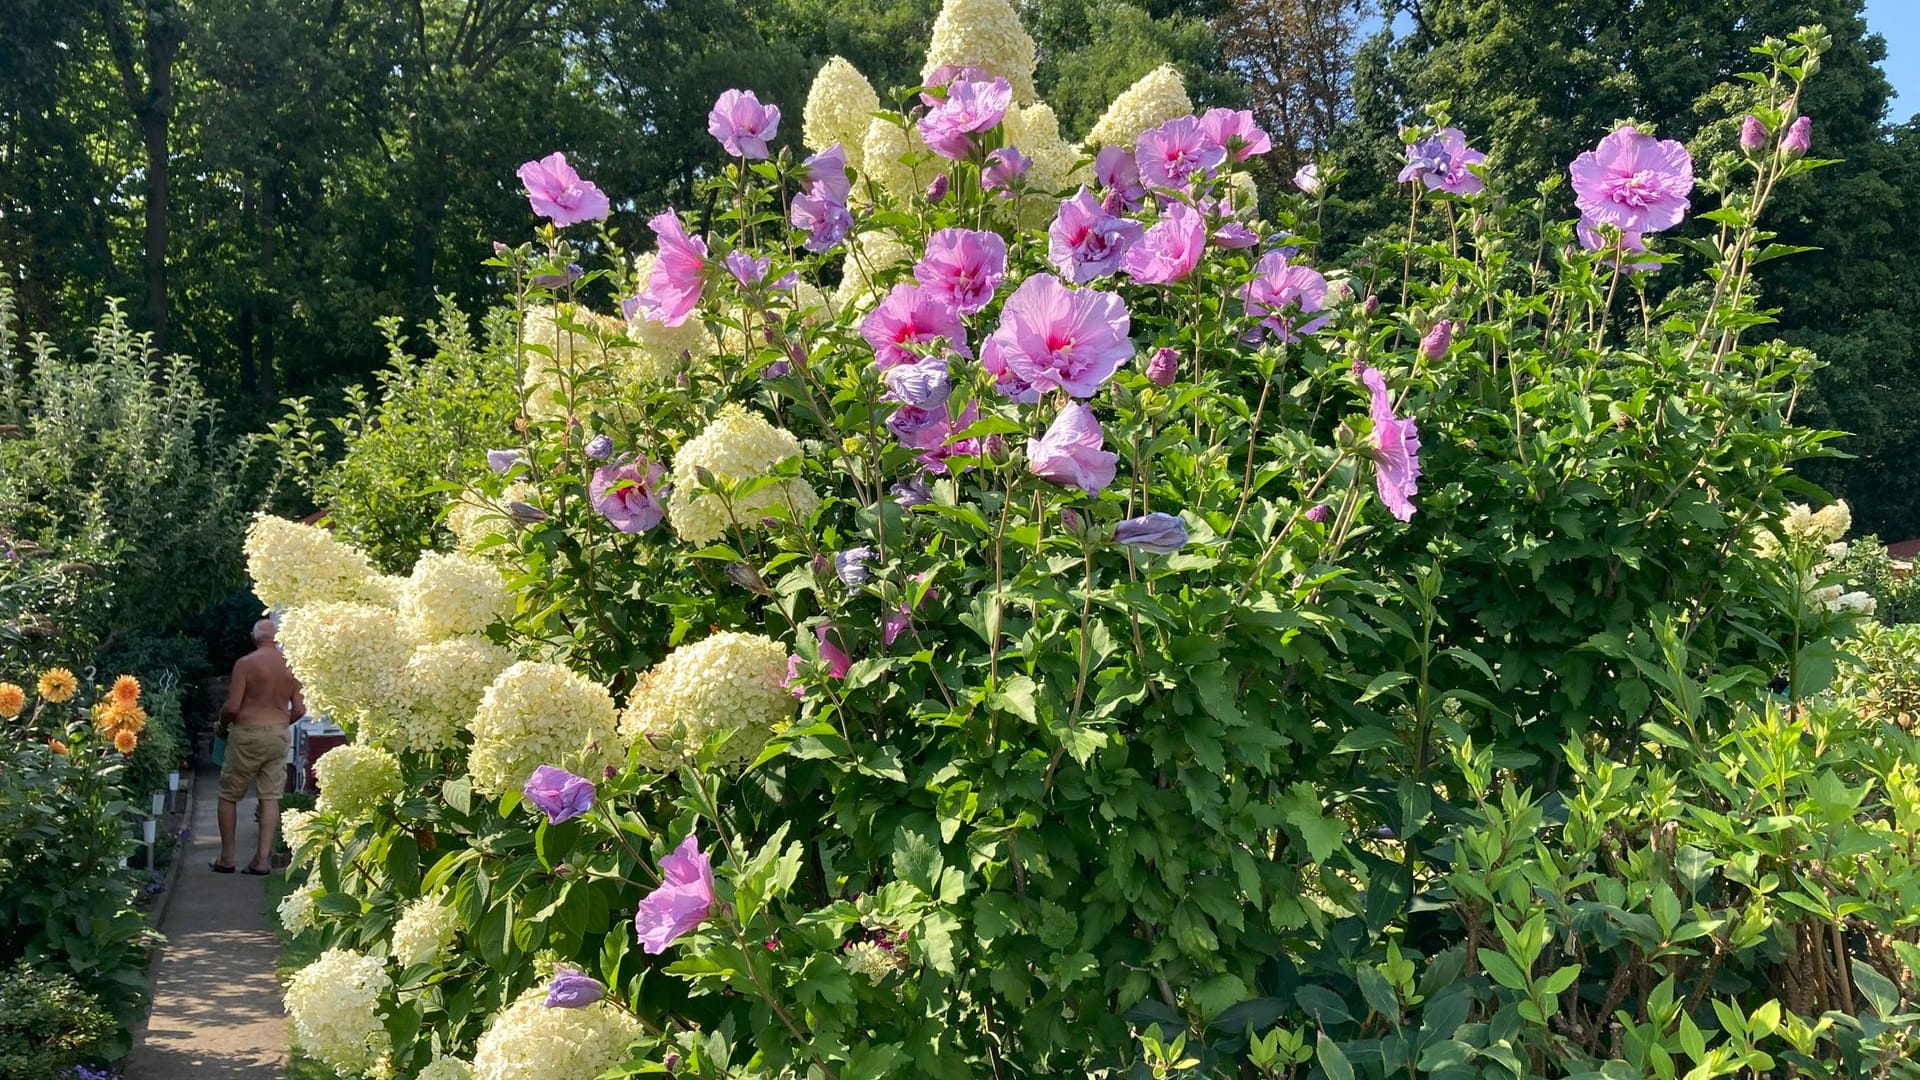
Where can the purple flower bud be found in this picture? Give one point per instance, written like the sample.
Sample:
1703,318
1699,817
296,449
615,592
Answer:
502,460
1320,514
670,1062
527,513
1438,341
1161,534
1164,368
779,369
1307,178
937,189
558,793
1370,305
500,248
912,491
1753,134
1071,521
572,990
560,280
851,565
600,447
1799,137
608,772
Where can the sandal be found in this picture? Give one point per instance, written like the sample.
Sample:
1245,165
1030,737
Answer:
218,869
251,872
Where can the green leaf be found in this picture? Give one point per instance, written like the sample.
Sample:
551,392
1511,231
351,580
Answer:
1322,835
1332,1058
917,861
1503,970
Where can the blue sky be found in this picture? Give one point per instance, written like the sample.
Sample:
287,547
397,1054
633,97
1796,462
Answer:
1899,22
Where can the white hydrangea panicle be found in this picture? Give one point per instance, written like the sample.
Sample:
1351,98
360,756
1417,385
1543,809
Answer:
1035,132
736,447
475,519
862,273
296,909
347,656
725,685
884,152
1158,97
293,564
334,1004
440,688
451,595
425,929
1833,521
446,1068
986,34
384,590
356,778
567,357
296,828
538,714
529,1041
839,106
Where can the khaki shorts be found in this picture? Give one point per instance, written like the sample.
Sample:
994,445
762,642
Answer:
256,757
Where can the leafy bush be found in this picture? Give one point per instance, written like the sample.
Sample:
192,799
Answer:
116,468
67,903
48,1024
970,731
436,417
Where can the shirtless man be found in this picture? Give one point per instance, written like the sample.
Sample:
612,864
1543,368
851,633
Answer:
263,700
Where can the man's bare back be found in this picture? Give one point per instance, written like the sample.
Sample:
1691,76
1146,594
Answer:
263,692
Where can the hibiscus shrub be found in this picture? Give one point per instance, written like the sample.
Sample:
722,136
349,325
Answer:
990,606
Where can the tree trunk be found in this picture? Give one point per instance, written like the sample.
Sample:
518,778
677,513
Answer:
151,98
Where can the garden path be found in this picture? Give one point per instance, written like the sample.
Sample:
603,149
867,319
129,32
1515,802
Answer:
216,1004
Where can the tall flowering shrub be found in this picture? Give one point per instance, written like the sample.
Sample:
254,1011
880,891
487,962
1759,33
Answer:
977,600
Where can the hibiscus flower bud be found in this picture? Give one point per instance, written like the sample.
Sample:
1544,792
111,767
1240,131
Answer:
937,189
1753,134
1799,137
1320,514
1438,340
1164,368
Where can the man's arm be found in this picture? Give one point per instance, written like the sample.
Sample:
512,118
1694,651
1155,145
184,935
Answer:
236,693
299,703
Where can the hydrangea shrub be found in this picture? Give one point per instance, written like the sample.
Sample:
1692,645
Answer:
986,606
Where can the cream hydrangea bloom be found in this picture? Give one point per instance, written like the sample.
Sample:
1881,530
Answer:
528,1041
883,152
870,254
1158,97
738,446
335,1006
293,564
446,1068
1833,521
356,778
839,106
728,684
538,714
384,590
347,656
440,688
1035,131
567,355
451,595
984,34
423,931
474,519
296,827
296,909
